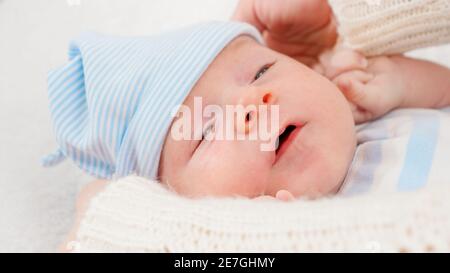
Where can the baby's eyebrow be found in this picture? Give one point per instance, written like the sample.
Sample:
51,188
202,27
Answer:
243,73
248,65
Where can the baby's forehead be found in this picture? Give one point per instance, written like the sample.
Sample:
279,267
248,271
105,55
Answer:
240,55
241,47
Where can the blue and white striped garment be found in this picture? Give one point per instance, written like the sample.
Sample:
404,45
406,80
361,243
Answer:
402,151
111,103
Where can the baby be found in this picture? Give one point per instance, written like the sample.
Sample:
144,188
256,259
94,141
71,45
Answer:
316,129
114,108
317,134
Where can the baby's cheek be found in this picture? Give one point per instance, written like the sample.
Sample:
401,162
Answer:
236,168
239,175
327,175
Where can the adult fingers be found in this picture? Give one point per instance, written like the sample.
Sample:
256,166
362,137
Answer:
245,12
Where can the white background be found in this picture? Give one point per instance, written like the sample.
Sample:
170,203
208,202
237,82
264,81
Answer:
37,204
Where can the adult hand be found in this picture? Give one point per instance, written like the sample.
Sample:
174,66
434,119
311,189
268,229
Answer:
301,29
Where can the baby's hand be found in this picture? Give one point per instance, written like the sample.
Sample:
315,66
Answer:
373,87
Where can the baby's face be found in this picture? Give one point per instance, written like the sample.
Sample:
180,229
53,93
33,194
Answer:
315,149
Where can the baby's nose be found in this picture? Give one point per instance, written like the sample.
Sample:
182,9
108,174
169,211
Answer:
256,97
249,110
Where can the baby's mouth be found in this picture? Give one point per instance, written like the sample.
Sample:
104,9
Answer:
285,139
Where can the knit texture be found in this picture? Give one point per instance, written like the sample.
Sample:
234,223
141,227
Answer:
385,27
139,215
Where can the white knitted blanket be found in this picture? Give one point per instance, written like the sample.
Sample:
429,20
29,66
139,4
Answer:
138,215
376,27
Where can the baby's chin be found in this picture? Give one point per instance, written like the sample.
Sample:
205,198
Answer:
323,186
322,173
331,173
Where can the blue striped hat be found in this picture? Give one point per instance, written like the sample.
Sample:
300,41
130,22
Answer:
111,103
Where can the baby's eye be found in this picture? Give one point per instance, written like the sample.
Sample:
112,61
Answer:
208,131
262,71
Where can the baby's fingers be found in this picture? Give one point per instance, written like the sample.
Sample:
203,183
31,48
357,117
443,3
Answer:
339,61
353,85
362,101
284,195
264,198
359,115
281,195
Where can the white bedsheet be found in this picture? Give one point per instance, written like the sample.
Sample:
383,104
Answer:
405,150
36,204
